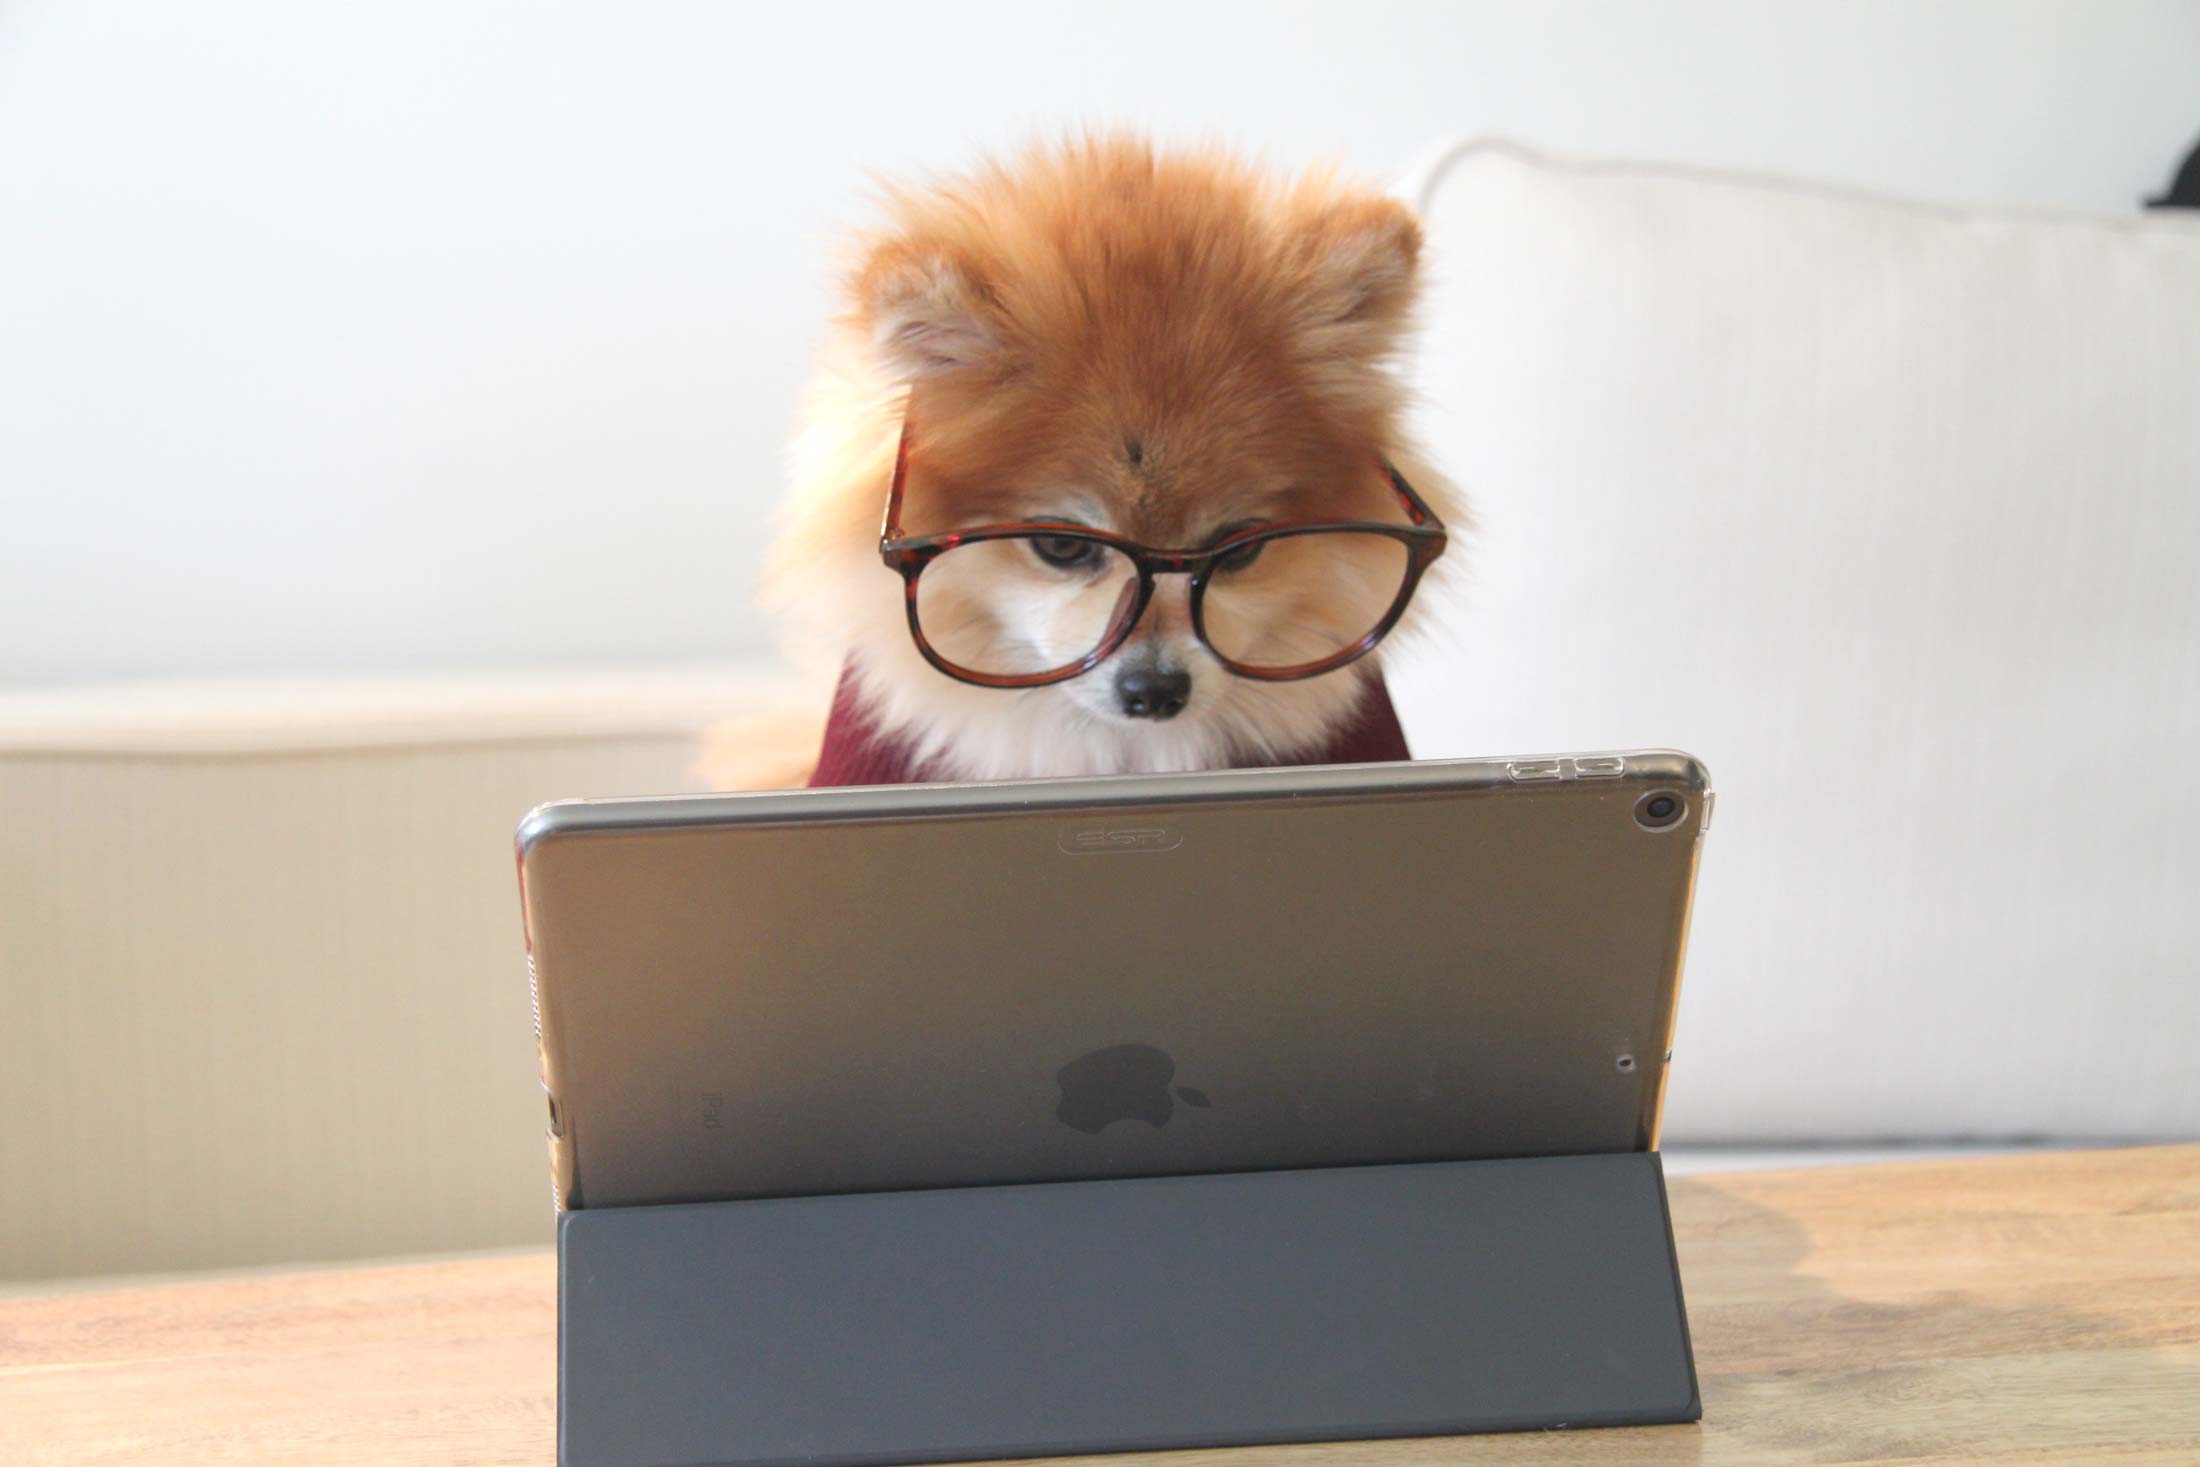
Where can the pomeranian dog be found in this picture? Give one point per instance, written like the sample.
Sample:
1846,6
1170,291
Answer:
1131,425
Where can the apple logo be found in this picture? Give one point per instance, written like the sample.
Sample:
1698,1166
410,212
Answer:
1124,1082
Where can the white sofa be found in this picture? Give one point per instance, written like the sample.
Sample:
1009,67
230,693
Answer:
261,979
1889,512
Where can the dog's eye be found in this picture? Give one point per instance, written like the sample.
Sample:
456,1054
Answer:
1065,552
1241,557
1244,555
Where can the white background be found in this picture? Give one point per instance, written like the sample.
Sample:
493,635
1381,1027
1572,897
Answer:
445,336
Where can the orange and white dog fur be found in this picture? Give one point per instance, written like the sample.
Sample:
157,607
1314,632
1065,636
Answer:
1158,344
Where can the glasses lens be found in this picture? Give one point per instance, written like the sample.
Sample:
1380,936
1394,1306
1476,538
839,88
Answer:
1023,606
1284,603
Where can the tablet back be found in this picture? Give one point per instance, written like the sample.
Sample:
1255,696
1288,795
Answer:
872,990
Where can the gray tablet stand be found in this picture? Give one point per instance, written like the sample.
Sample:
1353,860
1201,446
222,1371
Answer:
1108,1316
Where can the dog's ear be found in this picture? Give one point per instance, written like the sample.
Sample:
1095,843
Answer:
1360,260
928,311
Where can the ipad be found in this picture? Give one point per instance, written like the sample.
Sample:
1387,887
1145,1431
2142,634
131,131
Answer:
881,989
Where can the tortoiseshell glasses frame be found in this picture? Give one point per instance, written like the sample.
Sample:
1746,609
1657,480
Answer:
1423,539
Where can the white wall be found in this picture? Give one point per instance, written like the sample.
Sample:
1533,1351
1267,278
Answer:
447,335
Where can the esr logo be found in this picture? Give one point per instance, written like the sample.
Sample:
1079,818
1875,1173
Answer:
1102,840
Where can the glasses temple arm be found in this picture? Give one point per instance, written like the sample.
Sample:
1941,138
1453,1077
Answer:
890,527
1417,508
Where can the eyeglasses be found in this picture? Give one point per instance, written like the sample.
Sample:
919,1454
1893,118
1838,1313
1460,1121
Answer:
1028,603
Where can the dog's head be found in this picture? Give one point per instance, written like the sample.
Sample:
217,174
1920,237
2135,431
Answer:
1167,349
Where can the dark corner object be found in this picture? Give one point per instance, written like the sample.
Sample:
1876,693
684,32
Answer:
2184,190
1131,1314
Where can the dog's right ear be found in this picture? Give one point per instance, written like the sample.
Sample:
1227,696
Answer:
928,312
1361,257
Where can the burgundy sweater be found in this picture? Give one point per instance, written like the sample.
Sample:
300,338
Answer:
856,752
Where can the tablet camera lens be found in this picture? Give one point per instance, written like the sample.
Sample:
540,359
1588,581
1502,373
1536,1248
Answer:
1659,810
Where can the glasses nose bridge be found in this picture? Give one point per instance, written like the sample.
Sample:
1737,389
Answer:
1175,562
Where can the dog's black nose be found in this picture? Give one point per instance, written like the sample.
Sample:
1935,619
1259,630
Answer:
1147,691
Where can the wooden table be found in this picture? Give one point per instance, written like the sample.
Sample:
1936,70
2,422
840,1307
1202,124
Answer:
2038,1309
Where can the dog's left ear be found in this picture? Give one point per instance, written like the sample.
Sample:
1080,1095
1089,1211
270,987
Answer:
1361,262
